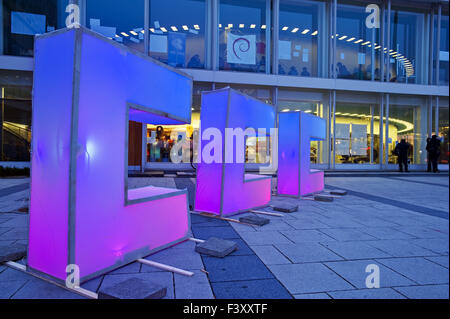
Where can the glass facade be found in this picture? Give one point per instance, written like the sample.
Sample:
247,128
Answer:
299,33
242,35
406,42
443,51
107,18
357,46
177,32
22,19
443,134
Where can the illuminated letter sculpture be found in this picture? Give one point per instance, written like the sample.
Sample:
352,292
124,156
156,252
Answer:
295,132
86,89
222,187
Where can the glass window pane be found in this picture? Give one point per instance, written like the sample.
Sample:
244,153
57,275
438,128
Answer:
120,20
357,138
357,46
406,45
15,121
443,134
22,19
242,35
407,120
443,54
298,45
177,32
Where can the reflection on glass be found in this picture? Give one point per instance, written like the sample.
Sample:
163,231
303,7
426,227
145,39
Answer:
242,35
24,19
317,151
406,32
161,139
122,21
443,52
298,37
177,32
443,135
357,47
357,139
15,121
404,123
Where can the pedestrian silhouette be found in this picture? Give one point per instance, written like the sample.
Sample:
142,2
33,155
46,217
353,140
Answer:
402,152
434,150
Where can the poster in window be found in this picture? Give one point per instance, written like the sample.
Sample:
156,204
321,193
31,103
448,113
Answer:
177,49
342,131
342,147
241,49
359,139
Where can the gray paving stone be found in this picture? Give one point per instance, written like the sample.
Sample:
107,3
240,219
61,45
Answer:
386,233
311,235
321,198
9,288
441,260
339,192
132,268
439,246
308,278
163,279
422,232
180,257
195,287
319,295
40,289
374,293
16,234
307,252
285,207
400,248
250,289
346,234
418,269
12,252
270,255
275,225
131,288
355,273
216,247
425,292
254,220
16,221
306,223
264,238
355,250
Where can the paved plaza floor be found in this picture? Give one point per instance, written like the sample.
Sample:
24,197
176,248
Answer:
398,222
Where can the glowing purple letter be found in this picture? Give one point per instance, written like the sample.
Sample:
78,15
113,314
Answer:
222,187
295,131
86,89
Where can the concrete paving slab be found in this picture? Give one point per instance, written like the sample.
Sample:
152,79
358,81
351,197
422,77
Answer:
374,293
250,289
425,292
355,273
308,278
270,255
131,288
195,287
306,235
355,250
307,252
418,269
233,268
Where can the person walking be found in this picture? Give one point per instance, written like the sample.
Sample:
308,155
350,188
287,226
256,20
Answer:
402,152
434,150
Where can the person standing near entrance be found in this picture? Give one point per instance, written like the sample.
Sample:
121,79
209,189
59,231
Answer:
434,150
402,152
